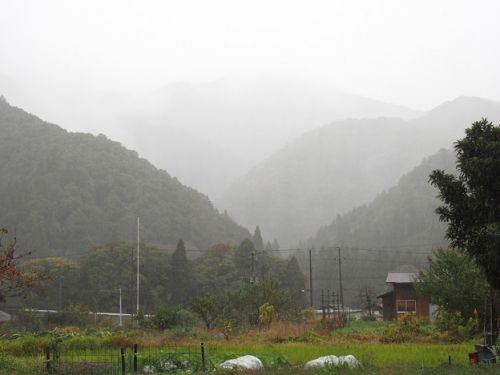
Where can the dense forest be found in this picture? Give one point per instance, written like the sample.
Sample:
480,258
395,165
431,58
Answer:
398,227
167,276
66,193
342,165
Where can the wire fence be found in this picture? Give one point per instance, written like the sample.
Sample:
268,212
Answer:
130,360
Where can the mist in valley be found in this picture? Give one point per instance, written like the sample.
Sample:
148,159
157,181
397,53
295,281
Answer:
318,123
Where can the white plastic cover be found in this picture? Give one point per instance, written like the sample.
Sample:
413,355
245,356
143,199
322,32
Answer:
247,362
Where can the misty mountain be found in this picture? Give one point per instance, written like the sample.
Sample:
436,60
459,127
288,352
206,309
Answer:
398,227
67,192
402,216
206,134
241,122
330,170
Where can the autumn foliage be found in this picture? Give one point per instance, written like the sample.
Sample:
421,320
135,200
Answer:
13,280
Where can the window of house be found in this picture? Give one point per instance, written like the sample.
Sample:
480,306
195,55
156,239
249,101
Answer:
406,306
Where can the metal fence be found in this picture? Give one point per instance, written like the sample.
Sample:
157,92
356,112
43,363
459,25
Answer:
130,360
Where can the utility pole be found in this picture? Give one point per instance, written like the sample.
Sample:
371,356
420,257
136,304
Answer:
138,255
328,304
323,304
121,322
340,281
310,278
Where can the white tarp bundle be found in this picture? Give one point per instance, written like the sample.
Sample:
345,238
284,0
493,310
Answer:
333,361
247,362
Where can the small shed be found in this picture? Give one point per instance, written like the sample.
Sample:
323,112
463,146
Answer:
401,298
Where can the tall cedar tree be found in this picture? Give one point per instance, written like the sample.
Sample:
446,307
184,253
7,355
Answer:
472,200
257,239
181,279
294,280
243,258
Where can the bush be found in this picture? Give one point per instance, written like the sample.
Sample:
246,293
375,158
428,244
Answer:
456,327
9,364
75,315
405,329
169,316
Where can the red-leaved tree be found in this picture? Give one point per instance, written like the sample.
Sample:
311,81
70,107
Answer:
13,281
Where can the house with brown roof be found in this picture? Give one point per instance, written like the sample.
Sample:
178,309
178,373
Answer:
401,297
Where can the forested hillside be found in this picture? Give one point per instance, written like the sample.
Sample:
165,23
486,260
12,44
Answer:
344,164
401,216
68,192
398,227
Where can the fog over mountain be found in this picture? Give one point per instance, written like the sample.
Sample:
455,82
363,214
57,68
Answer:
207,134
69,192
402,217
396,228
329,170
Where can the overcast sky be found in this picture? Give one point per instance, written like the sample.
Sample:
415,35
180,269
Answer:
415,53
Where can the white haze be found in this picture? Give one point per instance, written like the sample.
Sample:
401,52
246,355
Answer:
206,89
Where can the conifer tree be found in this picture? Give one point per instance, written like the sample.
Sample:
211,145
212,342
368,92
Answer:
294,280
276,245
243,258
181,280
257,239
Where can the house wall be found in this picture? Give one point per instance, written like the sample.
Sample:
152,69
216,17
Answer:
406,292
389,307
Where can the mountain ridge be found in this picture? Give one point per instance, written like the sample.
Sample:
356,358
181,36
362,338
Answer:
68,192
331,169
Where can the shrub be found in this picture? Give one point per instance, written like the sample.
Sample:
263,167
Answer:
456,327
169,316
75,315
119,341
406,328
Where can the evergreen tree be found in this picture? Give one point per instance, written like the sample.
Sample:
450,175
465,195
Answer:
243,258
294,280
268,247
181,279
276,245
471,201
257,239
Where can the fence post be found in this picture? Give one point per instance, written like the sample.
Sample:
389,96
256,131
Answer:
47,359
122,355
203,367
135,357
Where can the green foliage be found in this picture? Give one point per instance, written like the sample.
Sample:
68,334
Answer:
74,315
397,221
68,192
456,326
453,282
208,307
267,314
257,239
405,329
169,316
181,276
211,282
57,284
243,258
106,269
242,306
471,200
14,365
